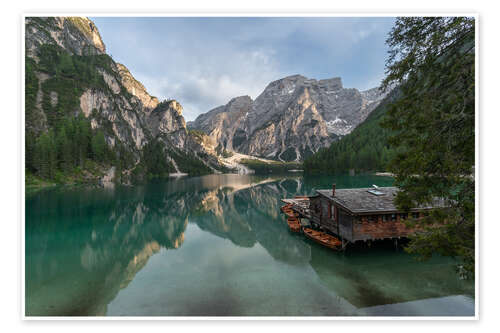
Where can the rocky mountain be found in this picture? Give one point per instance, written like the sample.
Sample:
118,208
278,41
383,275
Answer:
291,119
68,73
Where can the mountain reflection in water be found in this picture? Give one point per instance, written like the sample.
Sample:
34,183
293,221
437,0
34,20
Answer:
212,245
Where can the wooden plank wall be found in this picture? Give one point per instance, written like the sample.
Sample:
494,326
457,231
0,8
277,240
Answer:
364,229
346,225
327,218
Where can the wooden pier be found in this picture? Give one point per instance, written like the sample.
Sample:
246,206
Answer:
298,208
299,204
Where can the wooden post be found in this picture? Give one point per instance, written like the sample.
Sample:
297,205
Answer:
344,244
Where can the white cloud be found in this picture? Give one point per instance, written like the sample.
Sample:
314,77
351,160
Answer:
203,62
210,84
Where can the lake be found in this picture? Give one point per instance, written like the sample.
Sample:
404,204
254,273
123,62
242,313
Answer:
216,245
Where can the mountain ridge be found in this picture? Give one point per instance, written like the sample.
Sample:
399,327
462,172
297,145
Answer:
291,119
69,74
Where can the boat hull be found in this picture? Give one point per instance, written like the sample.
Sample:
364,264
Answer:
294,224
323,238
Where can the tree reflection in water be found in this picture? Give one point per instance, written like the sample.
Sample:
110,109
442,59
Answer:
84,245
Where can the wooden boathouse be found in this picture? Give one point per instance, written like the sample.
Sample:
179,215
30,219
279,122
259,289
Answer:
358,214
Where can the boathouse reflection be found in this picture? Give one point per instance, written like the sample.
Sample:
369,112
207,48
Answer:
109,235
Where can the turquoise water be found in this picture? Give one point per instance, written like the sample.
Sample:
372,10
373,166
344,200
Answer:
215,246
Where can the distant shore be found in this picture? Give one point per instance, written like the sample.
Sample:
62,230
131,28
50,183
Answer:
385,174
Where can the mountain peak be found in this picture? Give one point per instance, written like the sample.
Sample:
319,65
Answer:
292,118
335,83
240,100
89,30
76,35
288,79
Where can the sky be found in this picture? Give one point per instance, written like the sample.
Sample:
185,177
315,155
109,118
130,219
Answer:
203,62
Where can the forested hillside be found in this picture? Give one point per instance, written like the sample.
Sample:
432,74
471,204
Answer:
87,119
364,149
58,144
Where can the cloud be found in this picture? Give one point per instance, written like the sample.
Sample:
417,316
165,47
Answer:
211,82
204,62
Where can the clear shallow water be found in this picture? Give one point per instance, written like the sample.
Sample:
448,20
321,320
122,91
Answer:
215,245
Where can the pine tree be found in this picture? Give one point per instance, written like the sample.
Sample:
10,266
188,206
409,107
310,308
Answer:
99,147
64,150
432,126
83,134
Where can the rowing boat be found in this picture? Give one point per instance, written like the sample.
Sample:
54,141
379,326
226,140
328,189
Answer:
290,213
286,207
294,224
322,238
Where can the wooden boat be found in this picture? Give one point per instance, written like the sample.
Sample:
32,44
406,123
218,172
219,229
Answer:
294,224
286,207
323,238
290,213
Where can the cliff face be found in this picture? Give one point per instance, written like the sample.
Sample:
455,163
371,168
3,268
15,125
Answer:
113,100
77,35
291,119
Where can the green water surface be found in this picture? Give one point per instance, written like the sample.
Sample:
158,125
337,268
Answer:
216,245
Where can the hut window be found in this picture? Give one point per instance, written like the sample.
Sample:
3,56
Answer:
415,215
384,218
404,216
393,217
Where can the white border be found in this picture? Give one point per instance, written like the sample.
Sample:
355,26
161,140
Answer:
266,13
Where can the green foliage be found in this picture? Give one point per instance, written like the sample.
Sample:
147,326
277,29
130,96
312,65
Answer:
261,167
432,125
45,156
364,149
99,147
154,159
31,86
189,163
197,134
55,155
221,151
69,142
33,182
289,154
155,162
70,76
227,153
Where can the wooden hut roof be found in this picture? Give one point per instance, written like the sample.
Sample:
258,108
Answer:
361,201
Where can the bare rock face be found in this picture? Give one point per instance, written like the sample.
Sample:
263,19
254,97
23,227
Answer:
125,111
77,35
291,119
166,121
136,88
223,124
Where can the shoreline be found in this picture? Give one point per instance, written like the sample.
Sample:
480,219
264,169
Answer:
384,174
